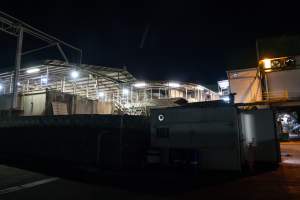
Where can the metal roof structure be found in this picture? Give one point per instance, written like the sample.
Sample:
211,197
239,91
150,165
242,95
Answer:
56,75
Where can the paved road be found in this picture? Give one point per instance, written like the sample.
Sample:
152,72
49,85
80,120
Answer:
282,183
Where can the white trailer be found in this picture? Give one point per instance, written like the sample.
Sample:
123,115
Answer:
214,137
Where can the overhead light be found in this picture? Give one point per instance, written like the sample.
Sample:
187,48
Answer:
173,84
223,84
267,63
125,91
140,84
19,84
199,87
74,74
32,70
44,79
1,87
101,94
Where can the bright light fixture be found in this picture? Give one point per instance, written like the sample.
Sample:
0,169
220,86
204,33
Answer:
267,63
125,91
32,70
1,87
19,84
44,79
173,84
74,74
140,84
100,94
223,84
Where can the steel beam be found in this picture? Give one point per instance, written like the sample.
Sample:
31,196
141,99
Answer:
14,104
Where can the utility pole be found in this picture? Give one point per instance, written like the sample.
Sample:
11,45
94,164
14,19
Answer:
14,104
257,50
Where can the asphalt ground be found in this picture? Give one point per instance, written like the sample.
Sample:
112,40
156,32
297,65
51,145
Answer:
279,183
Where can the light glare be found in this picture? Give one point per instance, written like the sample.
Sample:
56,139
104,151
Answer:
140,84
199,87
32,70
174,85
125,91
74,74
267,63
101,94
44,80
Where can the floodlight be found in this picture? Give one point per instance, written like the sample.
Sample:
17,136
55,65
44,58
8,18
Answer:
44,80
74,74
173,84
125,91
32,70
140,84
267,63
100,94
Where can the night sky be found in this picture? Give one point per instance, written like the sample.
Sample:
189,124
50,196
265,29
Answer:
187,40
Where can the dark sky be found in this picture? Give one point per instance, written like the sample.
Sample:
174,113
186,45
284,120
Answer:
187,40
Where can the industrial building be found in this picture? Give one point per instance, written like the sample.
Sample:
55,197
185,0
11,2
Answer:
274,84
58,88
186,125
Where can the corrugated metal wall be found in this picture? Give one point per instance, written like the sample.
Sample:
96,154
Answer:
33,104
283,83
246,85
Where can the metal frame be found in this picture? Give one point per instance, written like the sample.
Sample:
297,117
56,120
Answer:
17,28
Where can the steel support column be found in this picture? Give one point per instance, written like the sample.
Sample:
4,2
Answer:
14,104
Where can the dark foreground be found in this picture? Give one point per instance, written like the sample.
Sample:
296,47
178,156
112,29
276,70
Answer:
280,183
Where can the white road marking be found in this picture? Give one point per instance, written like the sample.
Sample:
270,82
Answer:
27,185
